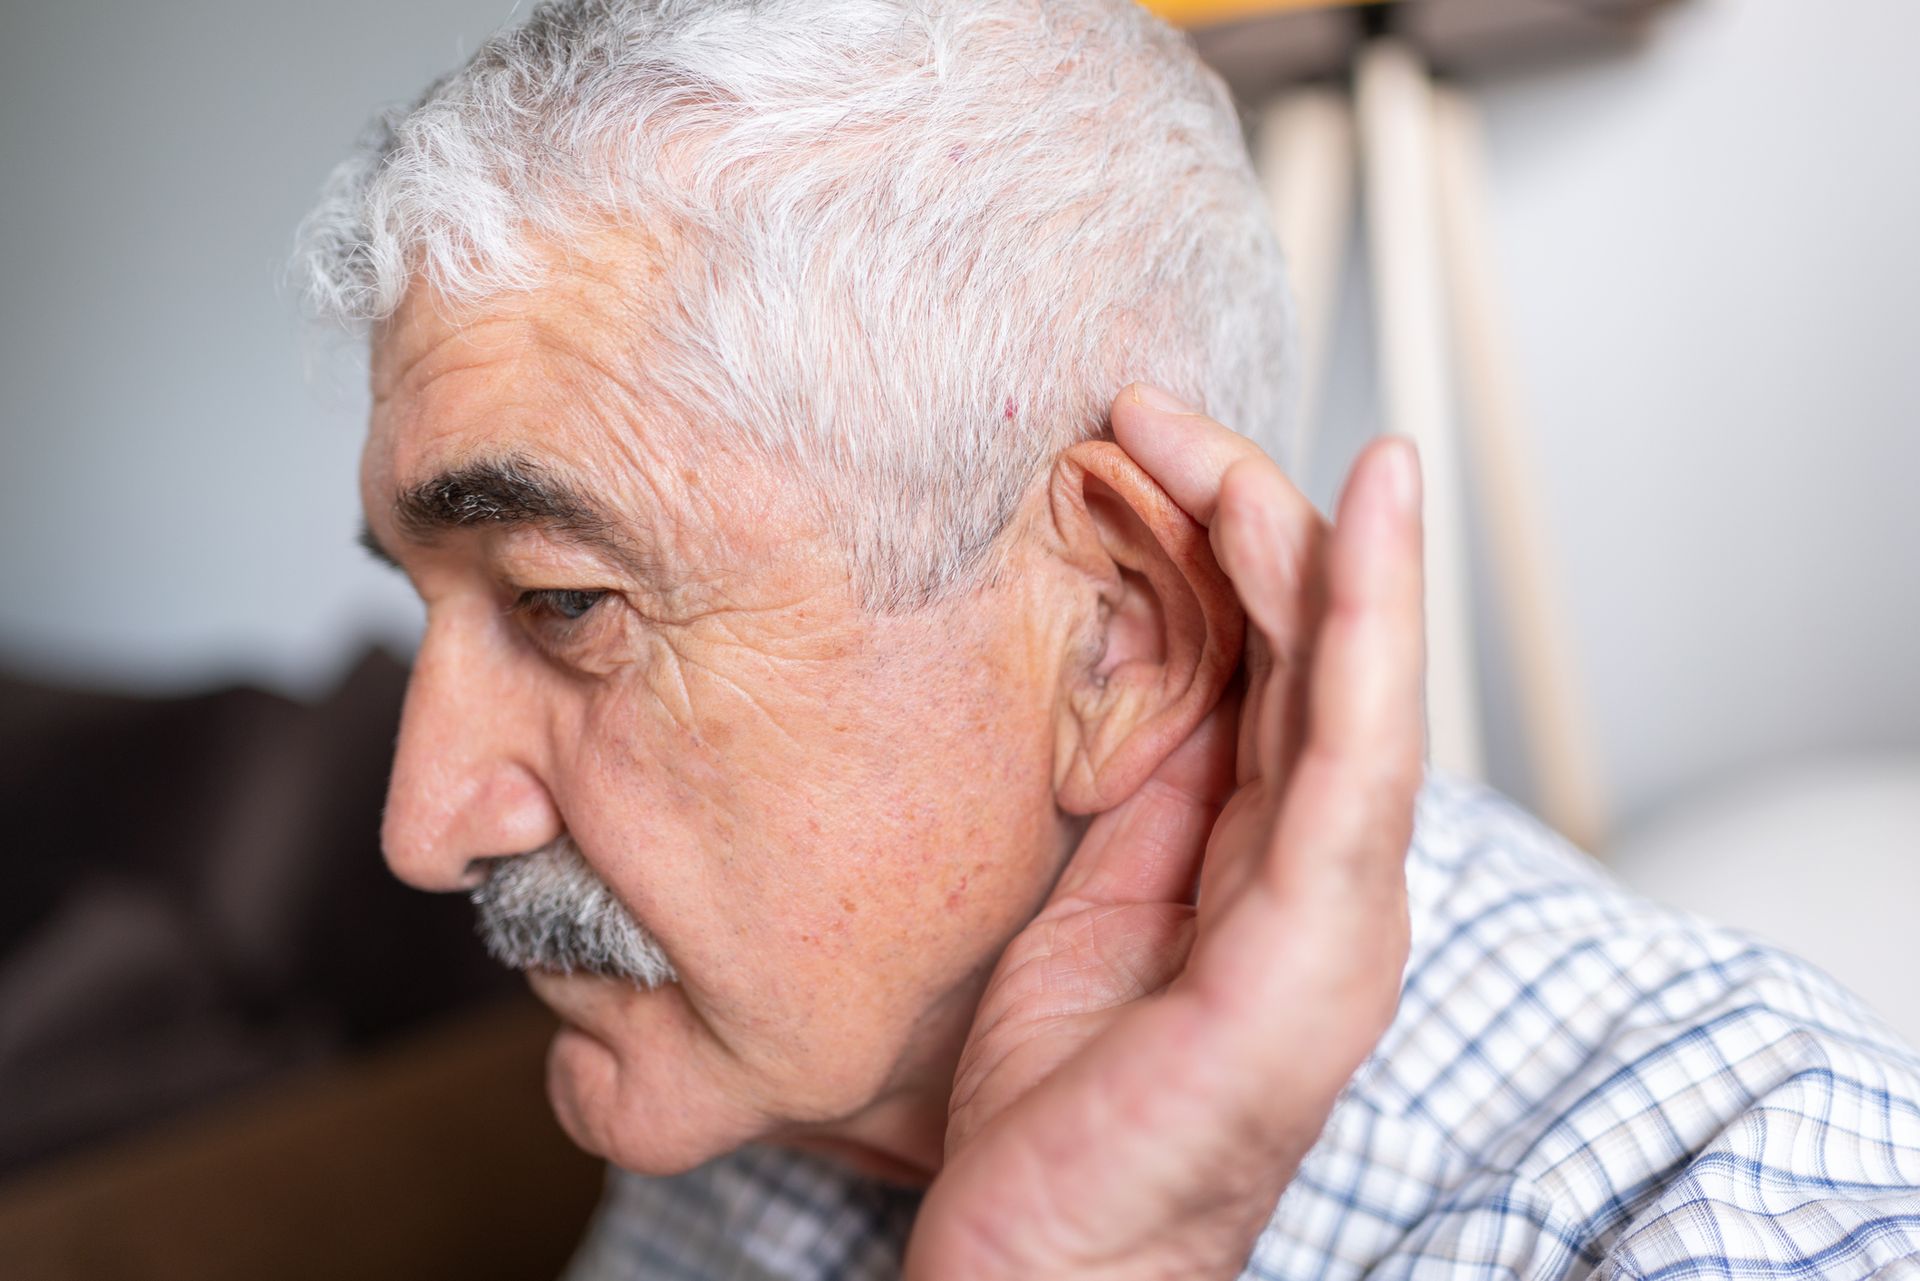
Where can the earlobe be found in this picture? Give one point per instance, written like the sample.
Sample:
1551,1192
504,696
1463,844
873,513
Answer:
1160,633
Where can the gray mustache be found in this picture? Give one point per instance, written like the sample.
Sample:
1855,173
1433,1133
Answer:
548,910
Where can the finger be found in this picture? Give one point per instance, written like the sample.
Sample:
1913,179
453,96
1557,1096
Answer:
1277,570
1202,465
1263,703
1281,560
1330,912
1348,807
1188,453
1147,849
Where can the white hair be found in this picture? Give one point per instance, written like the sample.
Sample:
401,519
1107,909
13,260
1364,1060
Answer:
918,245
548,910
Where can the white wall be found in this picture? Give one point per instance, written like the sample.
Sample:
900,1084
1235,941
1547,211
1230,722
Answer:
176,496
1711,272
1712,275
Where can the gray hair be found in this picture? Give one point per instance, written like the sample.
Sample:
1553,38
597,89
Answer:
919,245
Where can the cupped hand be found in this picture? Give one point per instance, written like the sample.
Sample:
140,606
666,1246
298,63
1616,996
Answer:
1149,1065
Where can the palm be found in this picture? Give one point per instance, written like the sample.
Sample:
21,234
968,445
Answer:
1146,1069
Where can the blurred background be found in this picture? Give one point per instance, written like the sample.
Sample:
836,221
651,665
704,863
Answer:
1707,269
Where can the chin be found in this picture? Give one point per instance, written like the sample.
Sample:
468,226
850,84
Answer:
599,1107
635,1078
620,1076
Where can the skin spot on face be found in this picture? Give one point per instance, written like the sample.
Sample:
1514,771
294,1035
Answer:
1011,409
848,905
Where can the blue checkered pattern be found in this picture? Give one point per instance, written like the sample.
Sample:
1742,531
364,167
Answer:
1578,1083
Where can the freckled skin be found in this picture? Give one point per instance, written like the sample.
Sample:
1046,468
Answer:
833,822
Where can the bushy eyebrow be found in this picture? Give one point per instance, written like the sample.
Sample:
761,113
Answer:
507,492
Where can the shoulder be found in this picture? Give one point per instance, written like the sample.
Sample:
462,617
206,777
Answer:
1577,1077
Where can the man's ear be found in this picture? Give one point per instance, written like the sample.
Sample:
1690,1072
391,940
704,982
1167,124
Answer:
1160,634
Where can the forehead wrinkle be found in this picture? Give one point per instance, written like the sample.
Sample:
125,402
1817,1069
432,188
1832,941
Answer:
514,490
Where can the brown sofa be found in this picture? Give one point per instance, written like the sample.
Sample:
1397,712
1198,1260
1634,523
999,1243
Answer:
230,1044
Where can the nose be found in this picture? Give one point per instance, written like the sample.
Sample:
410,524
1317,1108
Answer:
465,787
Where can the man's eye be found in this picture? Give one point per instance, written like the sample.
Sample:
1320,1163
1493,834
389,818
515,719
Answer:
564,604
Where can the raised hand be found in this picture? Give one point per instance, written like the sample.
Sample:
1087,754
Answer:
1147,1067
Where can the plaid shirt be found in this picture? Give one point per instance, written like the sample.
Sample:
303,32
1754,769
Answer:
1577,1084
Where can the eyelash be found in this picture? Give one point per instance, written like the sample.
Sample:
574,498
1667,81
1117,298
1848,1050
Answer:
559,605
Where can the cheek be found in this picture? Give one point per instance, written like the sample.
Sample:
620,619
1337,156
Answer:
937,821
652,800
729,817
823,860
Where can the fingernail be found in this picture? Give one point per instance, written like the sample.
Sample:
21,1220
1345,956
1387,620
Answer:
1403,475
1164,401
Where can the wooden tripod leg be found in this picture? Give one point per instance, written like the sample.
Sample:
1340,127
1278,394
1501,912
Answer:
1304,152
1397,145
1558,731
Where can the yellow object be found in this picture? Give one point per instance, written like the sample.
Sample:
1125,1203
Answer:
1198,13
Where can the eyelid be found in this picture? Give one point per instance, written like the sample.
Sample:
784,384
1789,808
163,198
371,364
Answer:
538,601
370,544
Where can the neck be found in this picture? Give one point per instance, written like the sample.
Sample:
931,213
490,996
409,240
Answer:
901,1135
898,1142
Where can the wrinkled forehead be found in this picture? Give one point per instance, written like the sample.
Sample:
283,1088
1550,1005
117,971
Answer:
528,384
594,296
551,384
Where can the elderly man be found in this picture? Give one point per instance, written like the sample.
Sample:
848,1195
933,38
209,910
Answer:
965,807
